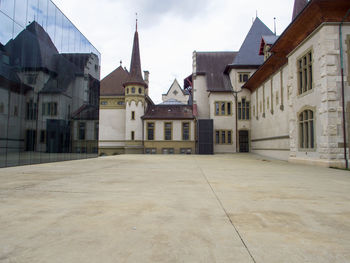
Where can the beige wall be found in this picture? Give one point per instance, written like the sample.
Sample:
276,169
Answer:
200,96
175,92
112,127
177,129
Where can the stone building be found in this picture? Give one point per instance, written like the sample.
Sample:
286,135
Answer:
280,96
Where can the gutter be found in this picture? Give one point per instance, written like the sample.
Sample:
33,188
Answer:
342,85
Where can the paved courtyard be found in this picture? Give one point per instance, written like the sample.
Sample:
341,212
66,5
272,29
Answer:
142,208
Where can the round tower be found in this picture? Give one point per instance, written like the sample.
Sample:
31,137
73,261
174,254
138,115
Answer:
135,94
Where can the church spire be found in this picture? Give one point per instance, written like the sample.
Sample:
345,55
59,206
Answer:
298,7
135,75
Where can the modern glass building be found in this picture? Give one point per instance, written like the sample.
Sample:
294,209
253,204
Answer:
49,86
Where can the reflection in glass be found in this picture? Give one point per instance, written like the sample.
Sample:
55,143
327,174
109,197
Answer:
49,86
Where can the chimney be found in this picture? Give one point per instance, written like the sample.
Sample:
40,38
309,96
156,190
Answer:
146,76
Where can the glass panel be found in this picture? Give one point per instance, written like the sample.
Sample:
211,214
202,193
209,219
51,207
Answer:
48,94
7,6
229,108
239,110
223,108
229,137
217,108
217,137
223,137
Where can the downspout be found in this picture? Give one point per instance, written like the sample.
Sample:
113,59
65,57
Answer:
342,86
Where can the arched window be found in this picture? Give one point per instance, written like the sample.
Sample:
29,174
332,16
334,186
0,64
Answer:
306,130
140,91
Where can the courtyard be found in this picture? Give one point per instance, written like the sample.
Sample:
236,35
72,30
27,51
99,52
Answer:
174,208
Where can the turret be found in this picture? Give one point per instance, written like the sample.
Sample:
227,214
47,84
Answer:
135,94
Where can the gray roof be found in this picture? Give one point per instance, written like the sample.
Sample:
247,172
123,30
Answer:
270,39
213,64
172,102
248,54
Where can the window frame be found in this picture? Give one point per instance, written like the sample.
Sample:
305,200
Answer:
243,110
133,115
304,69
81,138
171,131
220,111
219,140
189,130
152,128
306,129
241,77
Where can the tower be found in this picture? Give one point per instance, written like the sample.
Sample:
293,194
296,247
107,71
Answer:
135,94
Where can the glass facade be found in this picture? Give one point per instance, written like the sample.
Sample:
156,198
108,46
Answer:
49,86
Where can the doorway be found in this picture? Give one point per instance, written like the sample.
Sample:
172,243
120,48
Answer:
243,141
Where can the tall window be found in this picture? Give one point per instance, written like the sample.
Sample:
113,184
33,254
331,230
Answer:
168,131
31,110
305,73
306,130
132,135
243,110
223,108
185,131
223,136
243,77
150,131
133,115
81,131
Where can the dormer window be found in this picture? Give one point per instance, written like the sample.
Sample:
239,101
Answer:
243,77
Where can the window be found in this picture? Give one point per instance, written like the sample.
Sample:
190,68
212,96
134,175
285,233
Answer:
31,110
150,150
133,115
168,150
243,77
127,90
140,90
304,65
31,79
150,131
132,135
223,108
49,108
81,131
185,131
133,90
42,136
306,130
223,137
168,131
243,110
185,150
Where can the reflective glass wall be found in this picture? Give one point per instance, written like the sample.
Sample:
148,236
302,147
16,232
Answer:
49,86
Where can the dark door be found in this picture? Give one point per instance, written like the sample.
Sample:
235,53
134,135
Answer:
243,141
30,140
205,137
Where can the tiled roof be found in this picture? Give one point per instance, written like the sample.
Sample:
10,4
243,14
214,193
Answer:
213,64
248,54
112,84
168,112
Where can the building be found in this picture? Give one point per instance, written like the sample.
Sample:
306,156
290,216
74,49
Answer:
283,96
131,123
49,81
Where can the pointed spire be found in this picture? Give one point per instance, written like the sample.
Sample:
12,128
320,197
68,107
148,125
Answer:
298,7
135,65
136,22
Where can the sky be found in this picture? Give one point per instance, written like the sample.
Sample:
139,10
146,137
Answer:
169,31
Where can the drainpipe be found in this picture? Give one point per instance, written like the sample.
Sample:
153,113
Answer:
342,86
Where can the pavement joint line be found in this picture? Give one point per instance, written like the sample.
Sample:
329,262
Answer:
223,208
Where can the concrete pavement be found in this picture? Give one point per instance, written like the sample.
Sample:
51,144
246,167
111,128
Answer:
174,208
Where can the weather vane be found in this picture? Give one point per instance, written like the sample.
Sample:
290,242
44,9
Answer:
136,21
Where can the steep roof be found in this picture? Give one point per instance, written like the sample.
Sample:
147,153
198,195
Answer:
213,64
168,112
248,54
32,48
298,7
312,16
135,75
112,84
174,85
267,40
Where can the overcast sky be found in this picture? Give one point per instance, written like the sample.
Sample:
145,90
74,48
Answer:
169,31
